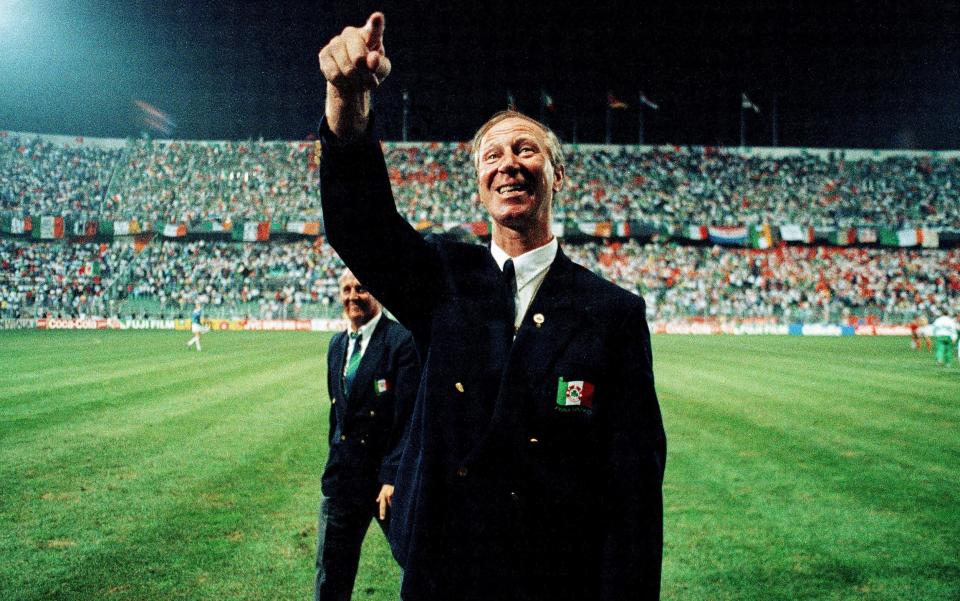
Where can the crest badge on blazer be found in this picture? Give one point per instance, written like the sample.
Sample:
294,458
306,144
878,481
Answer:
574,395
381,386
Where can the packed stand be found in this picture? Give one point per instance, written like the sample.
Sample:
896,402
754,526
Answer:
299,279
190,182
193,182
705,186
39,177
60,280
262,280
788,284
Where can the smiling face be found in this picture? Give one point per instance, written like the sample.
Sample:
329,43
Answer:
516,176
358,305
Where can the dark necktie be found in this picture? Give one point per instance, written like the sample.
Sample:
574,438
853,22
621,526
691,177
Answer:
353,362
510,283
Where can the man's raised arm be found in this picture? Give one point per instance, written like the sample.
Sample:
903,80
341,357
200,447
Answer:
353,63
360,219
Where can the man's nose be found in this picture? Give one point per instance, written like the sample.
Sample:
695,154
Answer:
508,162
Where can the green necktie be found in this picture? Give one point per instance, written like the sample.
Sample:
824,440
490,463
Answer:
353,363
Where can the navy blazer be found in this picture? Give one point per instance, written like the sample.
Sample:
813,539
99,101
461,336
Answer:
533,469
368,426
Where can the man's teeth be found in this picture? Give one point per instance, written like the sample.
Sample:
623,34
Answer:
510,188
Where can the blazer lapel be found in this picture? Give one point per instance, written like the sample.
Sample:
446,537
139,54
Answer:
337,356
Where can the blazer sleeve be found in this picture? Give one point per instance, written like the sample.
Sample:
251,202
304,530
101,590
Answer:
636,456
362,224
406,383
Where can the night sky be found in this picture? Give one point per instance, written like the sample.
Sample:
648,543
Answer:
840,74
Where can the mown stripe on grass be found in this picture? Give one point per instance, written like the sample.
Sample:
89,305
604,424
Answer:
139,431
788,508
177,492
144,379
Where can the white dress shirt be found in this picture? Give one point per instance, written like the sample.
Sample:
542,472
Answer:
366,332
531,268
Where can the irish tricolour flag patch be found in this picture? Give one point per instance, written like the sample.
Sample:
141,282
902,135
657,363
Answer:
575,393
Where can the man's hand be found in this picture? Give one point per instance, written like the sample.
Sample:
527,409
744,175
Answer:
385,499
353,63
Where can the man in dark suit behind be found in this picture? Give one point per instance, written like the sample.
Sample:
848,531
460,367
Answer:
534,466
372,378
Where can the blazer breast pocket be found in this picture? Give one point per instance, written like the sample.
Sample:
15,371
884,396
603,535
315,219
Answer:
566,404
380,404
573,389
383,387
563,446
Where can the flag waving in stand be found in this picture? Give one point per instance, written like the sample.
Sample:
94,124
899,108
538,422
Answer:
547,100
648,103
615,103
546,104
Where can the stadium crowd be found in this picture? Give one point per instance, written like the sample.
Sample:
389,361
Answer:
52,279
192,182
682,185
790,283
785,284
184,182
267,280
39,177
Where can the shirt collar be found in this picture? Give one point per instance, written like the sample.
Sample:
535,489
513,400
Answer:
529,264
366,330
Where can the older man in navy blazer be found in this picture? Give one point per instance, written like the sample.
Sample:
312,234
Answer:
372,378
534,465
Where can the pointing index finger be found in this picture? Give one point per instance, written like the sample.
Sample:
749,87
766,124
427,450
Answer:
373,31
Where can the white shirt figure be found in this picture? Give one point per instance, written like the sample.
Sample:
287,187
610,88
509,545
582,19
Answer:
945,326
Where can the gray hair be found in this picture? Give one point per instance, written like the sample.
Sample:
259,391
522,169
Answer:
554,150
344,275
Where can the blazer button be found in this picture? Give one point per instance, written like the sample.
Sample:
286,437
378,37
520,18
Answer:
363,441
534,441
514,497
458,386
333,401
461,471
372,413
343,437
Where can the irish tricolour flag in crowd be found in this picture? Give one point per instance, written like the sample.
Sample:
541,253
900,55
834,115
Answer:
50,228
575,393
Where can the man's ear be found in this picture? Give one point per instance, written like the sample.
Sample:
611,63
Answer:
559,175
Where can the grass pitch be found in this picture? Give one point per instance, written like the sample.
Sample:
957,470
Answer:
132,468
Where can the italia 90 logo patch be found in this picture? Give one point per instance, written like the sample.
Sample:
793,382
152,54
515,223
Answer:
574,394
